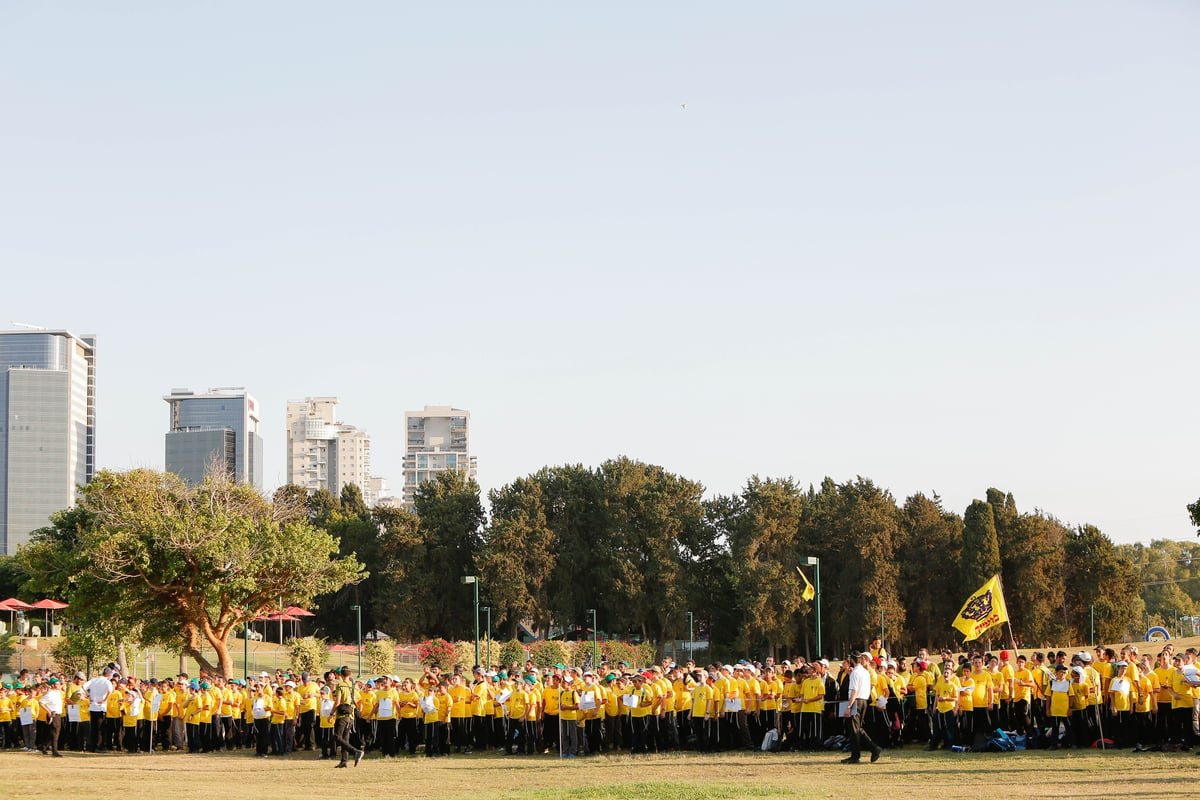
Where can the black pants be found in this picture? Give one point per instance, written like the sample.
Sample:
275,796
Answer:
304,731
385,736
409,735
433,738
341,736
858,736
262,735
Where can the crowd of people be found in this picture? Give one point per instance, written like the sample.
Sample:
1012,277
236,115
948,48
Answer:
870,701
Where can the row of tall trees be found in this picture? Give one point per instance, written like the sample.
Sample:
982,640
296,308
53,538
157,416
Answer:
643,547
143,557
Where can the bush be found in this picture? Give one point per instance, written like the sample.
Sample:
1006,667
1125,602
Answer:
647,654
436,653
464,654
308,654
512,652
379,657
615,652
546,653
489,651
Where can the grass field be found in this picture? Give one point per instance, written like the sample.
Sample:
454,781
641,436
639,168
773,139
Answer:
898,775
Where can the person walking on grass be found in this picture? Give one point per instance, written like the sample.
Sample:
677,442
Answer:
856,708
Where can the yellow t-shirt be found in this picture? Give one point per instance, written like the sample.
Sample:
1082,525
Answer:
812,695
646,699
1060,702
947,693
919,688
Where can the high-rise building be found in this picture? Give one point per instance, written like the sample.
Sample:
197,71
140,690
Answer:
216,429
438,440
47,427
323,453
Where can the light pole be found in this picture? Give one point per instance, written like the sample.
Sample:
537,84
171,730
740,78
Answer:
487,666
1092,614
474,580
815,562
595,641
358,624
691,637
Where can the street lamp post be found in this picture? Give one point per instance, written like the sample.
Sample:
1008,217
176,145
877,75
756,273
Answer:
358,624
488,611
474,581
691,637
813,561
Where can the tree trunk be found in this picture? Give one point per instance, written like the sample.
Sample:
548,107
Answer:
122,662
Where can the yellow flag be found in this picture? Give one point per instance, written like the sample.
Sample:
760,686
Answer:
983,610
808,592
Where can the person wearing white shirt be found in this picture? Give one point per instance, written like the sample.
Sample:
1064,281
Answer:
860,693
52,701
98,689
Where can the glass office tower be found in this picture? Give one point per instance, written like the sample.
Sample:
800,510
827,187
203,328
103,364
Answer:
217,429
47,427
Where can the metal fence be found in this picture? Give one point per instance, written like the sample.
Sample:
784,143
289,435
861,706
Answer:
253,659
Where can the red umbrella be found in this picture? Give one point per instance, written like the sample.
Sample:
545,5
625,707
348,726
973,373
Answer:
49,606
297,611
12,605
283,618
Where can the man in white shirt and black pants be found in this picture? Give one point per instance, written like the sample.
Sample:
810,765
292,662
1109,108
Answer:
856,708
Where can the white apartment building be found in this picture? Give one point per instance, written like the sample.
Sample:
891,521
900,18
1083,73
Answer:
438,439
323,453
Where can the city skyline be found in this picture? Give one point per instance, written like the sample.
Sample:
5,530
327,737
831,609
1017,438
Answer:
943,246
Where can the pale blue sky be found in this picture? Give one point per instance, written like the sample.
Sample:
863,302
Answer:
940,245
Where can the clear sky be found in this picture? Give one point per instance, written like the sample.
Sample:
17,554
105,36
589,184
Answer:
942,245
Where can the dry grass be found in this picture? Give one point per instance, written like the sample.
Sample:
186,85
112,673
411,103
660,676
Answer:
908,774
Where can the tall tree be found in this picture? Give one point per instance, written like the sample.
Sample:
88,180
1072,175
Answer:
519,555
1102,585
184,566
928,556
1032,564
764,556
402,604
451,523
981,548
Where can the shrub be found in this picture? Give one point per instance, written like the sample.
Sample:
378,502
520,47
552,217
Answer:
546,653
647,653
614,652
511,652
436,653
379,657
308,654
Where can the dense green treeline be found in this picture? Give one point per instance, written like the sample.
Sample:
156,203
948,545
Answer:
643,547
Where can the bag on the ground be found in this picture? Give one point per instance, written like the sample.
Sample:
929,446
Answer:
836,742
770,742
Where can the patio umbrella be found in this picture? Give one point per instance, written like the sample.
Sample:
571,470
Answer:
49,606
297,611
282,618
13,605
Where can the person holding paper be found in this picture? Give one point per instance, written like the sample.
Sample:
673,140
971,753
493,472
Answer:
1058,707
409,702
1081,706
325,722
387,714
1121,695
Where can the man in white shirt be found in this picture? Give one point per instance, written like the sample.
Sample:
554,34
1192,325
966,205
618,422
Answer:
52,701
98,689
856,707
